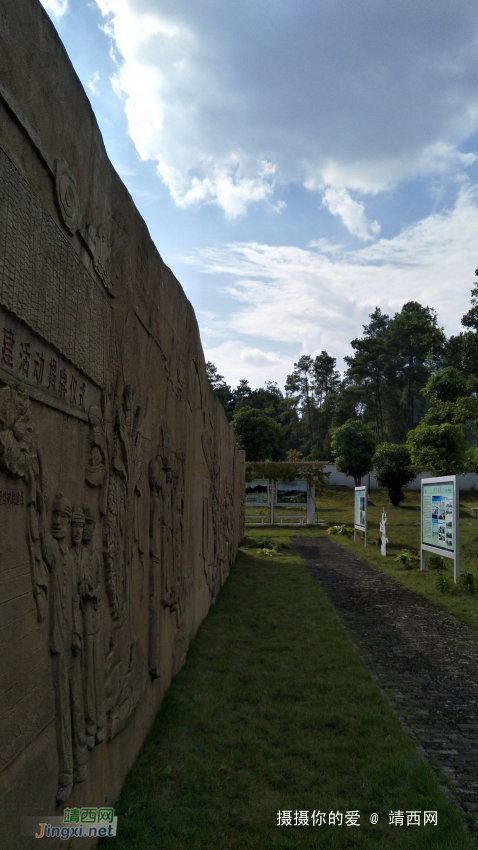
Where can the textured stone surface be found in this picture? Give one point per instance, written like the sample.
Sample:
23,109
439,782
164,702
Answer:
121,486
425,657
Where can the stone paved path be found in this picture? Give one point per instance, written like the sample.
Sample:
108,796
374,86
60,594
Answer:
425,657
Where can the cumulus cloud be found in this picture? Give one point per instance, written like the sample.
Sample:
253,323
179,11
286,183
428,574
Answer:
92,83
236,360
352,213
233,100
317,299
56,7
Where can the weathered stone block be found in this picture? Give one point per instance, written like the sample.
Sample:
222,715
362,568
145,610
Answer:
121,486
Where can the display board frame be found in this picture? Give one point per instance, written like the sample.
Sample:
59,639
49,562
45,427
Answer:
359,494
265,504
303,504
432,487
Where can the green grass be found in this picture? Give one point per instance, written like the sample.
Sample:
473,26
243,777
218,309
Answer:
335,507
274,710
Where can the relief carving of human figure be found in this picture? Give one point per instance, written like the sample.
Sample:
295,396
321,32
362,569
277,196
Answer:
167,537
65,648
90,587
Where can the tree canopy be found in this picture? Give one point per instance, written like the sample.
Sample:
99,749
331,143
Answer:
402,374
353,446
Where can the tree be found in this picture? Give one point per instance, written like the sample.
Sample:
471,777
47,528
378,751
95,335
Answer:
326,377
393,469
353,446
220,388
446,385
259,435
470,319
369,368
441,449
300,386
415,337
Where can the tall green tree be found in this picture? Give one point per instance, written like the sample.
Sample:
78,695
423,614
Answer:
300,387
221,389
353,447
393,469
370,369
259,435
415,339
441,449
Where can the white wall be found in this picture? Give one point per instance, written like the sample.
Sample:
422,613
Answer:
467,481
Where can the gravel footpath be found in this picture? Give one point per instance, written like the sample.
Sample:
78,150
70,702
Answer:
425,658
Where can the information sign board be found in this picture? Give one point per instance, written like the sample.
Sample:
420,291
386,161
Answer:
291,493
360,512
440,519
257,492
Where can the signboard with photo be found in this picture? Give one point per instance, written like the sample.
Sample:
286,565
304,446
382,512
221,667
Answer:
360,512
257,492
439,525
360,507
438,516
291,493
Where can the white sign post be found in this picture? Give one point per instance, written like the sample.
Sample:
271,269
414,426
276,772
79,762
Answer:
311,506
440,519
383,529
360,509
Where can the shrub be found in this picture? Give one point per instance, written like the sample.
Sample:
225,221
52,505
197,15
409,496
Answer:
408,559
436,562
340,529
467,581
445,584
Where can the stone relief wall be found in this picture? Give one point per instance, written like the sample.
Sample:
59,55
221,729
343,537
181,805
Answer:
121,486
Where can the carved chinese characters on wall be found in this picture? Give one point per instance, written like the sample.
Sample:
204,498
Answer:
25,357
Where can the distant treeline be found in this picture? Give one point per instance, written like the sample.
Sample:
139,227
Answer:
383,386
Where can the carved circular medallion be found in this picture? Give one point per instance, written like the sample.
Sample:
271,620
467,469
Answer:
67,197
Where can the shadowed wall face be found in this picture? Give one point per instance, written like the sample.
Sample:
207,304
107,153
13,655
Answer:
121,486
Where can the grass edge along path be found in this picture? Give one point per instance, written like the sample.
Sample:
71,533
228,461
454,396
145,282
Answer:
273,711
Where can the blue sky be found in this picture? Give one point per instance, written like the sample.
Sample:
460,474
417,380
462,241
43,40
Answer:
297,162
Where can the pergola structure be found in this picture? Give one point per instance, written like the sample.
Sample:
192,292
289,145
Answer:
289,471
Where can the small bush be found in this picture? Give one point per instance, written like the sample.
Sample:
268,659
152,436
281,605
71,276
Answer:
436,562
408,559
467,581
263,543
445,584
340,529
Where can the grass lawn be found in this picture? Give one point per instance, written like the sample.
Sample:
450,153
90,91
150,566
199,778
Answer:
275,711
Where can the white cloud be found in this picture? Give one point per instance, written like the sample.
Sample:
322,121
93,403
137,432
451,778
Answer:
93,83
232,100
57,7
352,213
317,300
236,360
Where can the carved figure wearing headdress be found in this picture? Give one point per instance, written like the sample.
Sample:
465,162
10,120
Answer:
65,648
155,540
90,585
167,556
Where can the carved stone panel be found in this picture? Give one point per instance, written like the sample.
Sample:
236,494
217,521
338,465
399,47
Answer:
43,281
121,488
